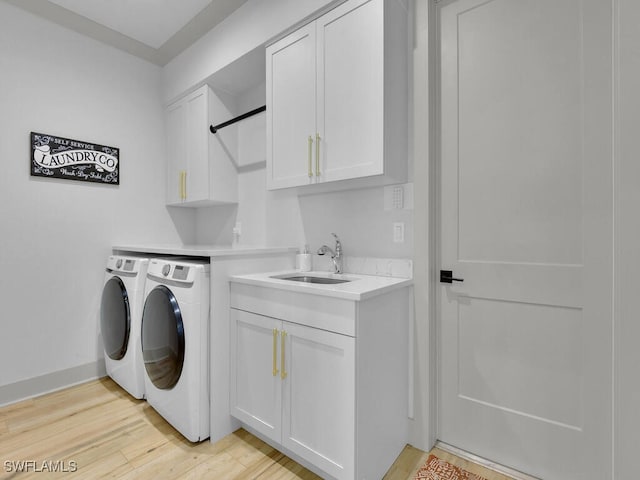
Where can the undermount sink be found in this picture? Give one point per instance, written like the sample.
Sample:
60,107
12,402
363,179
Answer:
311,279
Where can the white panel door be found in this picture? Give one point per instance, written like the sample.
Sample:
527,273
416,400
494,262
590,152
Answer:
350,55
255,384
525,353
319,398
291,109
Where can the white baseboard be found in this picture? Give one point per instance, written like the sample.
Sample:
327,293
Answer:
34,387
509,472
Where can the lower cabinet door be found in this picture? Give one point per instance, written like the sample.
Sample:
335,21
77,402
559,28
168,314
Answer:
256,386
318,414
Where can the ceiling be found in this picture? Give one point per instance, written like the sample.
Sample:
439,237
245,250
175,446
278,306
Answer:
155,30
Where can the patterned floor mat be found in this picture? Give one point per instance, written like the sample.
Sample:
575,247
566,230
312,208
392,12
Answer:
436,469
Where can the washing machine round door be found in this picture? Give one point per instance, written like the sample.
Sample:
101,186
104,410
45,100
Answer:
115,318
162,338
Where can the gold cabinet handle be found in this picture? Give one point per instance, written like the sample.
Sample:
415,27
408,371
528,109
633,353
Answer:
180,185
275,350
310,148
283,373
183,184
317,154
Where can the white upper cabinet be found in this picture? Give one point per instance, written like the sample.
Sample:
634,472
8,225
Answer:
201,166
337,98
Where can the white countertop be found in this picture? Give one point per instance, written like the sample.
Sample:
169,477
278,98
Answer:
360,287
204,250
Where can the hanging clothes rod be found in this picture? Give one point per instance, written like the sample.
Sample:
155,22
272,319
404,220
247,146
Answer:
215,128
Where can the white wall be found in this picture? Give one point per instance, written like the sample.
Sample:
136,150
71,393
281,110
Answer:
250,26
285,218
57,234
279,218
282,218
627,235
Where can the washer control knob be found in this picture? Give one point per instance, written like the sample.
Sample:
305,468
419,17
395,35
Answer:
166,269
119,263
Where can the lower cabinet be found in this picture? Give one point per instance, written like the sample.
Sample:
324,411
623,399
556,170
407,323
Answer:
321,378
296,385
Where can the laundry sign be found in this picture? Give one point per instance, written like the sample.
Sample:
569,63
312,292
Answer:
58,157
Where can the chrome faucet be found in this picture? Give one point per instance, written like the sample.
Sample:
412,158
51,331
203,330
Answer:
336,256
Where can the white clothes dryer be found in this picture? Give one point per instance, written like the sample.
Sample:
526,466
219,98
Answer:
120,320
175,347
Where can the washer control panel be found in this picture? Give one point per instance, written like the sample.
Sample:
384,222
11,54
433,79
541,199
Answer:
116,263
175,271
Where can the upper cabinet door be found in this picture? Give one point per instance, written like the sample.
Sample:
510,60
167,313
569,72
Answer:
350,100
291,100
197,174
176,151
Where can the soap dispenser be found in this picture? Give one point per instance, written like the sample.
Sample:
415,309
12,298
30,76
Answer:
303,260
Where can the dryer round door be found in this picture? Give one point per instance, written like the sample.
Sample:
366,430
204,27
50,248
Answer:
162,338
115,318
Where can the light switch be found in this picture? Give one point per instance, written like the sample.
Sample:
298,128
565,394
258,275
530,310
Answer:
398,232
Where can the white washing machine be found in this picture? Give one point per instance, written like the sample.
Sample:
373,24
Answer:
120,320
175,347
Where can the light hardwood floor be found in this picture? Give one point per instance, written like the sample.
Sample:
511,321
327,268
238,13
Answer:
108,434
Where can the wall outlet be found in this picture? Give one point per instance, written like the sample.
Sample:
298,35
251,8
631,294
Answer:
237,231
398,232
